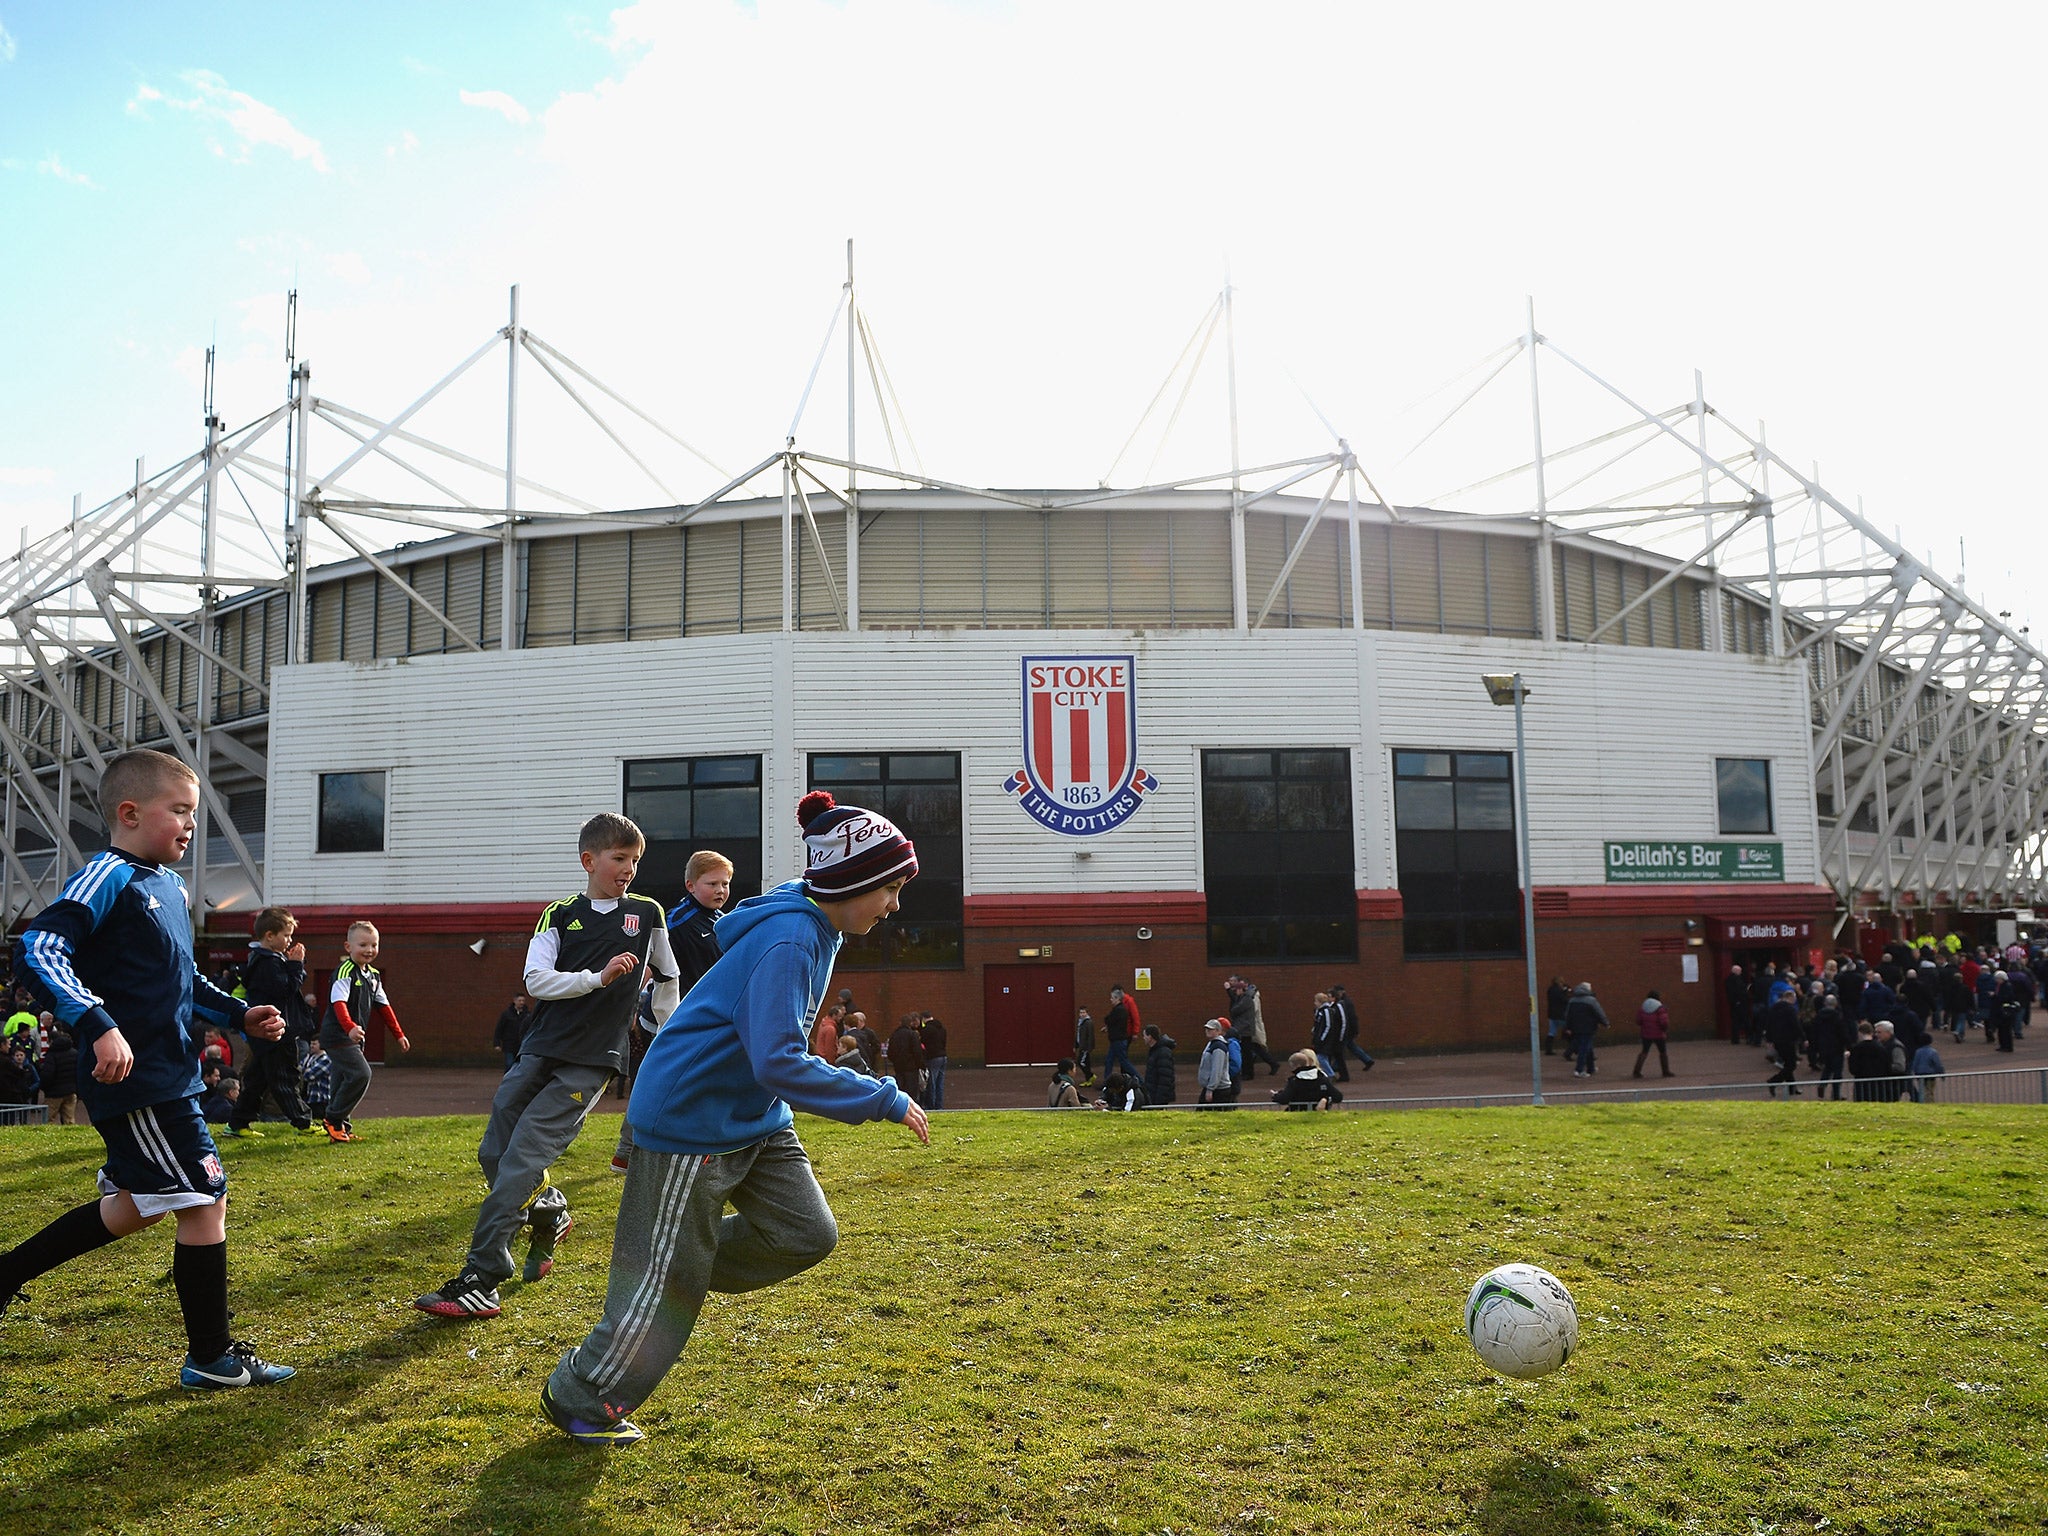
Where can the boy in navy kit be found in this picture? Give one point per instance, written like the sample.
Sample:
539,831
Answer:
583,969
711,1123
112,957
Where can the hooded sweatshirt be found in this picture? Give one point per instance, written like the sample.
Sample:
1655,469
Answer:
730,1062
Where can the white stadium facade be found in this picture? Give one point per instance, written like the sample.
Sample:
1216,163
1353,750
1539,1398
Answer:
1146,735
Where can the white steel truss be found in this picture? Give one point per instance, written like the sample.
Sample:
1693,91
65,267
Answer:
1929,713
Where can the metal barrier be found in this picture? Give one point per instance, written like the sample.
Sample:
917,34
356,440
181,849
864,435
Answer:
2011,1085
24,1114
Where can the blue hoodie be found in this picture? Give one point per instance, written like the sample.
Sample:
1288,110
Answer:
726,1067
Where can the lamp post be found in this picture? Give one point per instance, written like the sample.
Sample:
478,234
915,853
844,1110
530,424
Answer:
1508,688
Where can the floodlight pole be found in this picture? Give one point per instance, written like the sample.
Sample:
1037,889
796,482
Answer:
1521,692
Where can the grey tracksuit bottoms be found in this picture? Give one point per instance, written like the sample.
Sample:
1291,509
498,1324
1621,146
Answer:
674,1243
539,1108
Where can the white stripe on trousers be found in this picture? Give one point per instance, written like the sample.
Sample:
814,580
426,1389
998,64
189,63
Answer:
150,1137
640,1312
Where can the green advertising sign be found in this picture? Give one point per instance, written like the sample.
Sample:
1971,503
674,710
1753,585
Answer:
1650,863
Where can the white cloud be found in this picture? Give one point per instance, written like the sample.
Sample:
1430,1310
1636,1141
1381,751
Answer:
53,165
503,103
406,143
348,267
254,124
6,47
18,476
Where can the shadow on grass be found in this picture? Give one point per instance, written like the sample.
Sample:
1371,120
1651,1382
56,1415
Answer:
1529,1496
541,1485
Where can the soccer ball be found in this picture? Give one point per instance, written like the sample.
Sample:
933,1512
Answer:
1522,1321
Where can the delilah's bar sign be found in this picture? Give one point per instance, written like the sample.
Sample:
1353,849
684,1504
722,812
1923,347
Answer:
1654,863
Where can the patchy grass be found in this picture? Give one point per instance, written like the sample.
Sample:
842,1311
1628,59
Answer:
1795,1318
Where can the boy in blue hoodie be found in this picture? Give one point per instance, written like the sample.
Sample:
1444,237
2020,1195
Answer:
711,1117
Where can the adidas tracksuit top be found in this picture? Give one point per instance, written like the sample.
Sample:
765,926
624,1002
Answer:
726,1067
126,924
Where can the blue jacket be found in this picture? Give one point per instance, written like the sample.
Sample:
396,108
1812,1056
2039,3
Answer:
730,1062
114,950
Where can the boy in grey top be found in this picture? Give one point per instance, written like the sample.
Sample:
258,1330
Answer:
583,968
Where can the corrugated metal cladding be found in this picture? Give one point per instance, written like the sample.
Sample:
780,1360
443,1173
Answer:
1008,568
494,762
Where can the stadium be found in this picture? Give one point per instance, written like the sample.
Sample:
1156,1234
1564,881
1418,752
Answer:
1147,733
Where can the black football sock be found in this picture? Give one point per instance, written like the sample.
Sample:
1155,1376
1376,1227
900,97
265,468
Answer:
200,1272
79,1230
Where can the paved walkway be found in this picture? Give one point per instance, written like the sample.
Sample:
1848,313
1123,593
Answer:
1701,1067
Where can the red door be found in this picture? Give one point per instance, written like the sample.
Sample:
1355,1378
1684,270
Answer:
1027,1014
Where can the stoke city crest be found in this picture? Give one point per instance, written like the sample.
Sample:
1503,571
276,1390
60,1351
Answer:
1081,774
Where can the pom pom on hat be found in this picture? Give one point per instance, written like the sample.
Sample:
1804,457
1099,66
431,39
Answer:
849,851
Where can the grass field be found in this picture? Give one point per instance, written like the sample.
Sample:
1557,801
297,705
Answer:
1794,1318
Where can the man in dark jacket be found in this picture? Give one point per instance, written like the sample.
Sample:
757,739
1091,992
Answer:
1159,1085
1869,1064
1248,1024
1117,1027
59,1072
1737,987
512,1026
933,1035
275,975
1824,1047
1559,998
1340,999
1583,1017
906,1057
1781,1028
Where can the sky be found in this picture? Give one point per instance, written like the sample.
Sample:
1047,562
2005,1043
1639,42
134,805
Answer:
1832,211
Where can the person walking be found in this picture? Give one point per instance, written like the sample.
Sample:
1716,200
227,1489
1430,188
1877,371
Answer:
1118,1026
1219,1085
512,1026
1653,1023
1781,1027
1555,1001
1351,1048
1248,1025
1326,1038
933,1036
1583,1018
1084,1045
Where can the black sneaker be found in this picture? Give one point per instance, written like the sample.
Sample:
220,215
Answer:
467,1295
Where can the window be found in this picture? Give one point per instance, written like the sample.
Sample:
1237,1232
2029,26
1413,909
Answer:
351,813
1742,786
683,804
1454,848
1277,856
920,792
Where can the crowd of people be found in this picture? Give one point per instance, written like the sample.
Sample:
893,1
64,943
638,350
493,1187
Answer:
244,1079
1873,1025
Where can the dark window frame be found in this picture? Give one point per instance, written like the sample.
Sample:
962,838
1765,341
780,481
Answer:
1279,894
1721,827
334,840
934,914
1442,865
662,866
